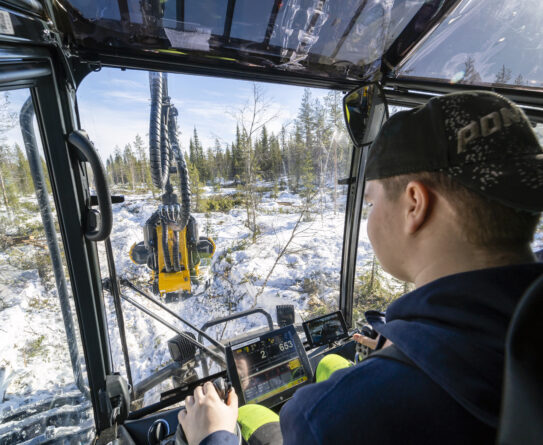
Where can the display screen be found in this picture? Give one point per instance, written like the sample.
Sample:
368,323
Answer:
326,329
268,365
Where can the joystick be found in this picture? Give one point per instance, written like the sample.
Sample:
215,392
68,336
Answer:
223,387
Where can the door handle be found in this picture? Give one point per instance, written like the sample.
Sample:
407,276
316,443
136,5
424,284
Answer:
101,229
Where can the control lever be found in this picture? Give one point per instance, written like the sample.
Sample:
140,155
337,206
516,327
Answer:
223,387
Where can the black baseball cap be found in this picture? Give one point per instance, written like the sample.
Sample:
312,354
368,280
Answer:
481,139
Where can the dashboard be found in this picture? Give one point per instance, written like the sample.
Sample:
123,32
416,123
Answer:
267,369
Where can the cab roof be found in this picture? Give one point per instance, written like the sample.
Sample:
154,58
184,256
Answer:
330,43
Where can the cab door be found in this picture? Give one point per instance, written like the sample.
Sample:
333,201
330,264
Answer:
48,266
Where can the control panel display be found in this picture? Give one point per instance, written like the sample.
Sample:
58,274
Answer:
269,365
325,329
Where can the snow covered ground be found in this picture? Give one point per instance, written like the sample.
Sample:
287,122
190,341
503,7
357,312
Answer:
34,361
307,275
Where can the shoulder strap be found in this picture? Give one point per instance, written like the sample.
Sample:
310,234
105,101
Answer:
393,353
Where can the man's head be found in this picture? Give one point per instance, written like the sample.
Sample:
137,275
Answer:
462,174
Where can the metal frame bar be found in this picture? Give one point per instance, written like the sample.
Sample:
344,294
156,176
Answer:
404,47
229,18
416,91
271,22
52,110
349,28
353,212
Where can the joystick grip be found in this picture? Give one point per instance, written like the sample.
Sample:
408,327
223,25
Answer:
223,387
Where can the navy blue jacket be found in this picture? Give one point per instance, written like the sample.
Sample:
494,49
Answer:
453,329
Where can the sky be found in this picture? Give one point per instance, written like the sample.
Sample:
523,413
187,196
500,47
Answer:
114,106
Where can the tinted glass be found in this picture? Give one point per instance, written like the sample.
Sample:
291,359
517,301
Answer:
342,39
40,400
485,41
251,19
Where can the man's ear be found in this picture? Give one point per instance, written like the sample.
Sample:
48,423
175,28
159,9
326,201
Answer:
417,199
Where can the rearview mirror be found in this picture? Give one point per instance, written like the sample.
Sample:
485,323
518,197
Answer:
356,108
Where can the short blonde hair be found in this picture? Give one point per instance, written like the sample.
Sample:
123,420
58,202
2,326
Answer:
484,222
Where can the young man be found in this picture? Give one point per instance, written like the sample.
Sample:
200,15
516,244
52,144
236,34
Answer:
456,187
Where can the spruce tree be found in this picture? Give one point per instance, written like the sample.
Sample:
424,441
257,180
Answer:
24,178
129,161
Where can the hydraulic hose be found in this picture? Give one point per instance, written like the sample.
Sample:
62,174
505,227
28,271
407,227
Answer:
163,145
165,249
184,185
159,152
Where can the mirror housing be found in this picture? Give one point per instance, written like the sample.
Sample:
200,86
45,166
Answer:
357,107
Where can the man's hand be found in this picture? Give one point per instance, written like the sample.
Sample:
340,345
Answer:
206,413
369,342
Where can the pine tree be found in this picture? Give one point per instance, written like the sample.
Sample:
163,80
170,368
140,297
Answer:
503,76
263,155
129,161
219,161
237,157
195,187
144,167
275,157
471,76
119,168
228,164
24,177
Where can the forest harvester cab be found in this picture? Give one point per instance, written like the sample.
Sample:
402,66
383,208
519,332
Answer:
380,54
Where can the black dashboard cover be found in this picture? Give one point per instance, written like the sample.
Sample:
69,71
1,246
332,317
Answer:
325,329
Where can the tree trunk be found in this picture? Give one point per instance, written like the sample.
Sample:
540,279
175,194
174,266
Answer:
4,194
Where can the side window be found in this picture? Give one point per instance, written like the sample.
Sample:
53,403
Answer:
374,289
42,374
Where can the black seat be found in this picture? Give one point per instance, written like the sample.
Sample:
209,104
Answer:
522,405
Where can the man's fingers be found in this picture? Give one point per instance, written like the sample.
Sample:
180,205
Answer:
189,401
198,394
232,398
210,390
366,341
182,417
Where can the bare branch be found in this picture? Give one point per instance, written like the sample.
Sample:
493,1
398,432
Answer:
283,251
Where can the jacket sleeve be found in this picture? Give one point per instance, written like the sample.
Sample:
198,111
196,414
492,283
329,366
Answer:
220,438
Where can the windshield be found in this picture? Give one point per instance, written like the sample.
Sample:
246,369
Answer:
263,166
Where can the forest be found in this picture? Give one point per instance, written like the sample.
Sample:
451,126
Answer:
311,152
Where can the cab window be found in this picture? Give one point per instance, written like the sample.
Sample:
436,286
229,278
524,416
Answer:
40,374
264,164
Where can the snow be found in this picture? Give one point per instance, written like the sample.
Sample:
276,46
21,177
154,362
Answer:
34,360
238,272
